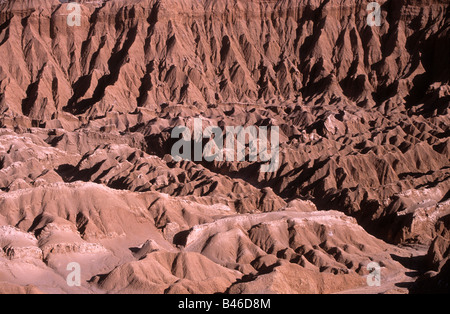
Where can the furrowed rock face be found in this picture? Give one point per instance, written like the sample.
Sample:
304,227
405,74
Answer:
129,54
87,113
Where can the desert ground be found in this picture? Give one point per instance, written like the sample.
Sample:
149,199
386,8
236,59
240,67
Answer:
92,91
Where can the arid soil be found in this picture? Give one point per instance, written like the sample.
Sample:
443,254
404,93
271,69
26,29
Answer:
87,175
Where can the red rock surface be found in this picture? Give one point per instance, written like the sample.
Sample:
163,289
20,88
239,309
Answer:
86,175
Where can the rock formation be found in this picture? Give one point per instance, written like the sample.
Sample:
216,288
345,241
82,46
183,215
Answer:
86,172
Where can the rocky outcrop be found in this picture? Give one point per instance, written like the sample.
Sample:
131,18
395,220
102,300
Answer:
87,113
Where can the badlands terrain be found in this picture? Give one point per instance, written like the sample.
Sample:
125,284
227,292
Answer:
87,175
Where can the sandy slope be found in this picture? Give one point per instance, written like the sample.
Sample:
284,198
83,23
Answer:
86,175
